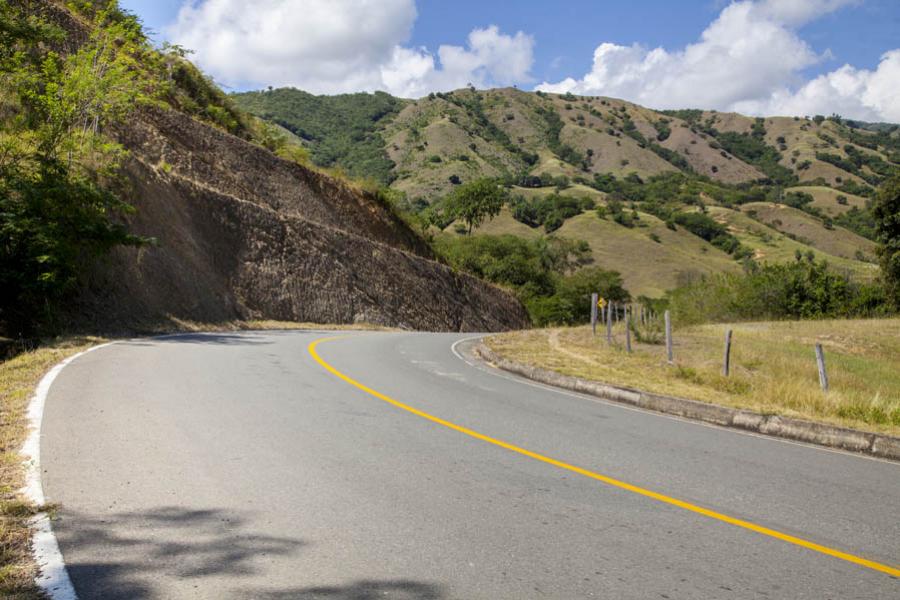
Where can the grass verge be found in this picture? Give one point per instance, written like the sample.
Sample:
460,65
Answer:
18,378
773,366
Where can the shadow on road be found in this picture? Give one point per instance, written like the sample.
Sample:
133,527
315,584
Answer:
173,553
120,555
399,589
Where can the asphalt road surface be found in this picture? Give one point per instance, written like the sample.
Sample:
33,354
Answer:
237,466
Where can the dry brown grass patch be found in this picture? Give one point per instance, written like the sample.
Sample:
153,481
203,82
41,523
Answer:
18,378
773,366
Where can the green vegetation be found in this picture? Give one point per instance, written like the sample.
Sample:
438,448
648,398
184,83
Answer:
804,289
553,127
541,271
852,187
543,147
475,201
860,222
56,214
886,212
341,131
855,162
471,102
189,90
752,149
630,129
713,232
551,211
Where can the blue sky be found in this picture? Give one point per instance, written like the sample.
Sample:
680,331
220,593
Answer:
568,32
403,38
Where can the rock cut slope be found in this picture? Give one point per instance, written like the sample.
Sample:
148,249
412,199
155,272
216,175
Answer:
244,234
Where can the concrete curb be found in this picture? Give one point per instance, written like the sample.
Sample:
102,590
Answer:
874,444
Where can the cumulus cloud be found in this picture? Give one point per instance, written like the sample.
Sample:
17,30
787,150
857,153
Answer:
749,59
333,46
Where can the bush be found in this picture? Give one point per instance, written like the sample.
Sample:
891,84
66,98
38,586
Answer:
341,131
800,290
886,212
550,211
548,274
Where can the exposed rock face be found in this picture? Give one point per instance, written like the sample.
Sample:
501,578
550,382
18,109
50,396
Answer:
244,234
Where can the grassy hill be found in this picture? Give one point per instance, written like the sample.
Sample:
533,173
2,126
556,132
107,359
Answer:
829,200
777,185
771,245
509,132
810,231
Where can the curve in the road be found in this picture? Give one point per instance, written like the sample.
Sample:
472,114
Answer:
894,571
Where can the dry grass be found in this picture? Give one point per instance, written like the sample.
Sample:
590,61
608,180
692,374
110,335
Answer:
18,378
773,366
770,245
838,242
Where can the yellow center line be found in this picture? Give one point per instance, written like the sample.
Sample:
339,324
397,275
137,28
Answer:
312,348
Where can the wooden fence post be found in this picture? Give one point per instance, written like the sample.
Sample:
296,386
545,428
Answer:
669,354
627,332
820,361
726,363
594,299
609,323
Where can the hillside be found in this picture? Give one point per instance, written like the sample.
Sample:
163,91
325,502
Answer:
238,232
508,132
656,165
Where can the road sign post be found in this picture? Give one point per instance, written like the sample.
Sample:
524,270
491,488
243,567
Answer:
595,304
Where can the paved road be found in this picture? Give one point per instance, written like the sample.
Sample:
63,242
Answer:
235,466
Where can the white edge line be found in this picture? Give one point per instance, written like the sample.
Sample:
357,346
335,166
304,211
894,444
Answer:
485,368
52,577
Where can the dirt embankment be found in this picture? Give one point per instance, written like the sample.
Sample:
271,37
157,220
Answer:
243,234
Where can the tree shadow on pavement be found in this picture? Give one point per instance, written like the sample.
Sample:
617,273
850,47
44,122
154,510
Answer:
171,552
399,589
121,555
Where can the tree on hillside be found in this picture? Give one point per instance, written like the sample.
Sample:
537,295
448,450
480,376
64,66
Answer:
886,211
474,201
55,215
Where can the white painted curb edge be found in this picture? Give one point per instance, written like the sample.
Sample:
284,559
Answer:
53,578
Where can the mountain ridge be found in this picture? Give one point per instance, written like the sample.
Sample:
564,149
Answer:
508,127
551,149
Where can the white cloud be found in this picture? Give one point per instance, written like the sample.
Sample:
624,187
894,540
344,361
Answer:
332,46
856,93
749,60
